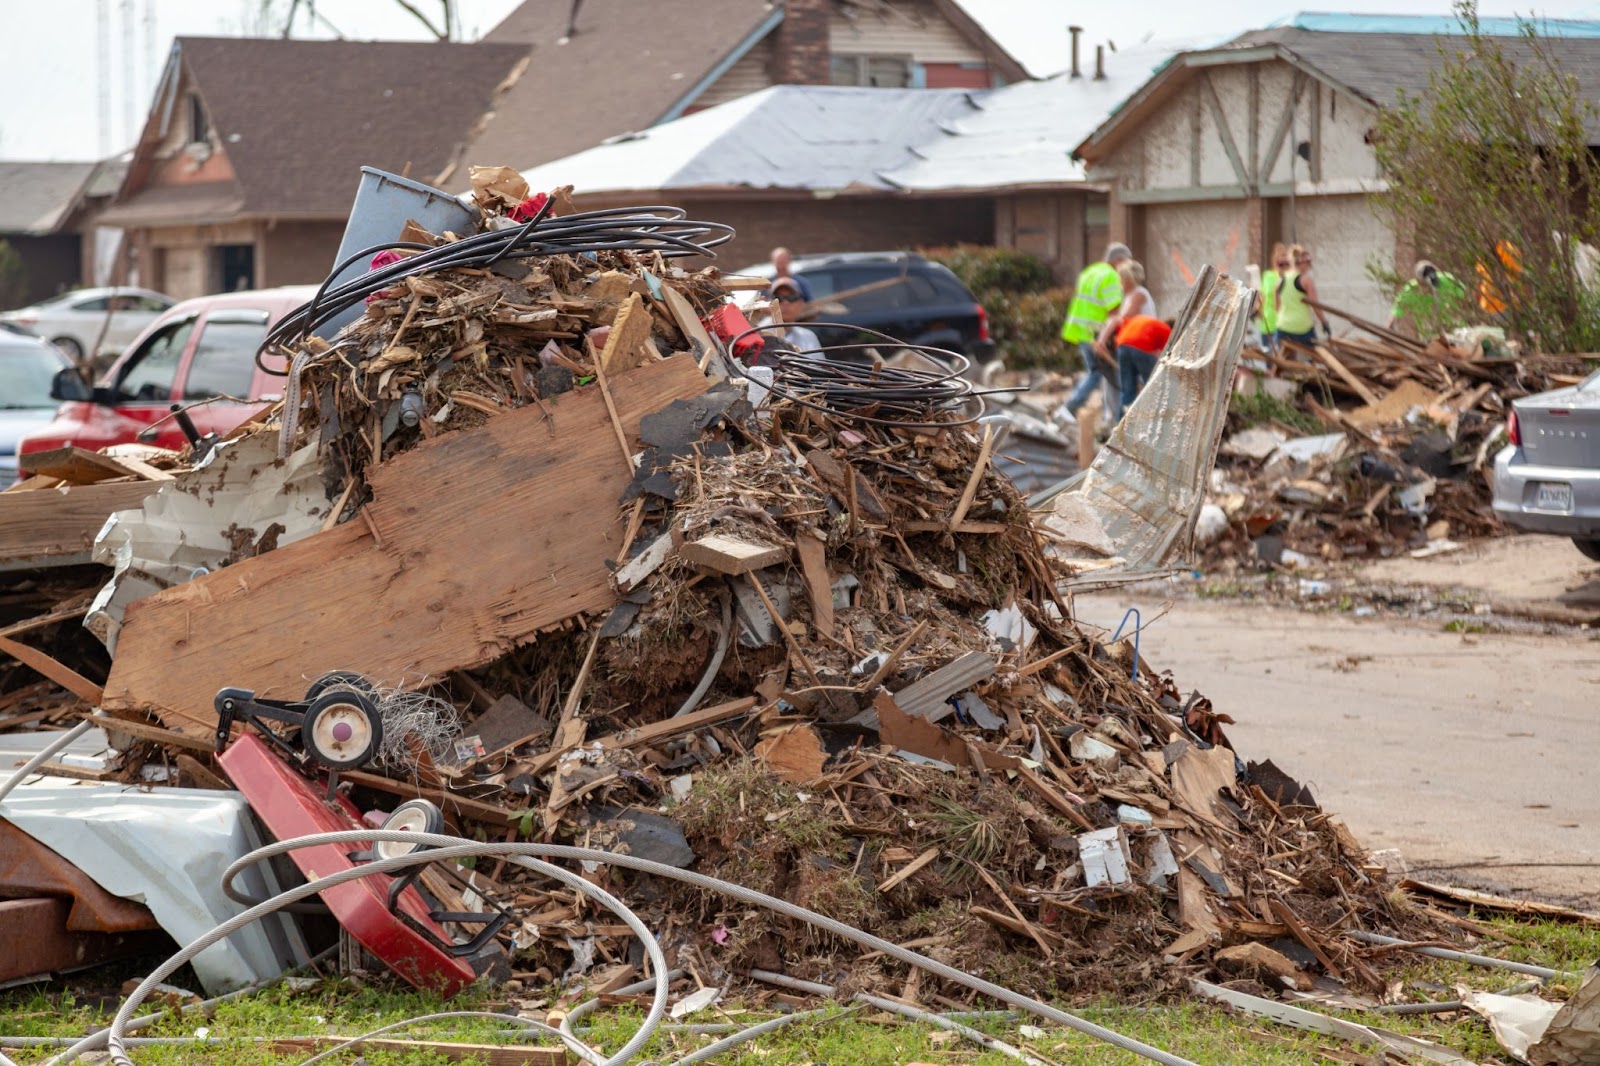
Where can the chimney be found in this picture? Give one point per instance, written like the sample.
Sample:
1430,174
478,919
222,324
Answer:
1099,62
1075,31
800,54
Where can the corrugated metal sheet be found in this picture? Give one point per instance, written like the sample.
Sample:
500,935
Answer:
1134,510
902,28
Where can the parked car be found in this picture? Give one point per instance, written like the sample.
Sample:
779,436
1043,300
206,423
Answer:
198,350
73,320
925,304
1547,480
28,366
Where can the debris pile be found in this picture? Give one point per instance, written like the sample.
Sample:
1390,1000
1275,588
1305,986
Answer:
1367,447
796,632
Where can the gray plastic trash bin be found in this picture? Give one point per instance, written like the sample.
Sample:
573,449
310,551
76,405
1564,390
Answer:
384,203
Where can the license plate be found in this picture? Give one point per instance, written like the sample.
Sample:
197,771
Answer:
1552,496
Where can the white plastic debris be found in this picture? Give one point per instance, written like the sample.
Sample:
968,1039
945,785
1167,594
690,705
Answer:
1105,858
695,1002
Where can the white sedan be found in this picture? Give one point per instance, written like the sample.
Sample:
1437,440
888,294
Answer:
74,320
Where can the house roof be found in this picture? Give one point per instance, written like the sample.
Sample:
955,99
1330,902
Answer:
1024,134
802,137
628,65
298,119
38,196
1373,57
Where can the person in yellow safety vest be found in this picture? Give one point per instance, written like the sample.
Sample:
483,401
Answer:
1281,264
1295,294
1098,294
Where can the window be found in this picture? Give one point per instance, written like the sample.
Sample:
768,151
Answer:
26,371
224,357
151,370
199,124
98,304
878,72
152,304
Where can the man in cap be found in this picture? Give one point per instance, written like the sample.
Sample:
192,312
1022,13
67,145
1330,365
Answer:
1099,293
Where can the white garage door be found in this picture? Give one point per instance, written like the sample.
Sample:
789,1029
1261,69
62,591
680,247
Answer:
1345,238
1182,239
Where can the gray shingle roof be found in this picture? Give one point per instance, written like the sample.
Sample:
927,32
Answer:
37,195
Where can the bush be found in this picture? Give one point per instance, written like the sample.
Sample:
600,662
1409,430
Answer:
1025,309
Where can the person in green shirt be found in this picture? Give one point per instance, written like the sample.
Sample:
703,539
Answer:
1099,293
1432,302
1270,277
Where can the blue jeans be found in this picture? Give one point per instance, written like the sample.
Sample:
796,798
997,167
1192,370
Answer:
1134,367
1308,338
1091,379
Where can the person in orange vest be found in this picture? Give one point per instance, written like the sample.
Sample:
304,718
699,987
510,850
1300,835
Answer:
1140,342
1490,299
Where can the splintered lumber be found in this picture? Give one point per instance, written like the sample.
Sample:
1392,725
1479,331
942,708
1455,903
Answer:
58,526
56,671
628,334
79,466
1356,384
488,535
721,554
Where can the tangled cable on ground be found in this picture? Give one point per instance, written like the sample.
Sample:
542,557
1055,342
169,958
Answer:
850,380
659,229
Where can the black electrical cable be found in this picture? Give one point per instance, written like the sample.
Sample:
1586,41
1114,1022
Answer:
663,229
849,381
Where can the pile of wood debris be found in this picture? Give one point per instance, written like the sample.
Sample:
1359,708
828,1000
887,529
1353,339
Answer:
779,642
1368,447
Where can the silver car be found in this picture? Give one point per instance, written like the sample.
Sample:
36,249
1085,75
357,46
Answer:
27,367
73,321
1547,480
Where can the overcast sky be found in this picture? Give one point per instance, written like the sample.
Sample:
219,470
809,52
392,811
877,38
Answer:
49,80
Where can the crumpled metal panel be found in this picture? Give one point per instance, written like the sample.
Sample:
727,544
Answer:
28,868
36,942
166,848
1135,509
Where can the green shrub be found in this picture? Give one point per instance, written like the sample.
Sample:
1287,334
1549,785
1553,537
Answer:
1025,310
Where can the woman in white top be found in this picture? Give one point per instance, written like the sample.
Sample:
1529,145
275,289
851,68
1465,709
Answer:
1136,300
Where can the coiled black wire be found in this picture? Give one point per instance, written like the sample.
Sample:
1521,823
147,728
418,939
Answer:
849,381
663,229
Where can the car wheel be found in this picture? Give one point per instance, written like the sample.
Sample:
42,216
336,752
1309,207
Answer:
1588,546
72,349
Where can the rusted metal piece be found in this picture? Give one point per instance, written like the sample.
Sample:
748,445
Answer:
30,869
35,941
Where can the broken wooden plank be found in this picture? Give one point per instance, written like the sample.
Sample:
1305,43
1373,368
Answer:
653,733
979,465
722,554
541,496
1256,957
647,562
194,774
1355,383
1300,933
900,875
628,333
58,526
819,583
793,753
449,802
52,668
80,466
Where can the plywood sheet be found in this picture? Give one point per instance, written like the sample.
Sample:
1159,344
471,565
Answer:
488,536
39,527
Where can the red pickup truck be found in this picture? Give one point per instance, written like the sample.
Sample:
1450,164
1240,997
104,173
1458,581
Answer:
197,350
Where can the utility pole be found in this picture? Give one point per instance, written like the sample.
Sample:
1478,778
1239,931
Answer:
102,56
130,74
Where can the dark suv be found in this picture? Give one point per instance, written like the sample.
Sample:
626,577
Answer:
925,304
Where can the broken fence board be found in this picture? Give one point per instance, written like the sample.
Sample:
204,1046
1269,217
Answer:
79,466
537,490
720,554
50,525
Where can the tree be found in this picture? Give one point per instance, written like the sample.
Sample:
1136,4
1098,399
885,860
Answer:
1490,174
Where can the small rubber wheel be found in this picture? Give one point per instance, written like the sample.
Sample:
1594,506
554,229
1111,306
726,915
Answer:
340,677
1588,546
342,728
413,816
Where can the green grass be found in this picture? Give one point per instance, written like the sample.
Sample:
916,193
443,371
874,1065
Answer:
1259,408
1201,1032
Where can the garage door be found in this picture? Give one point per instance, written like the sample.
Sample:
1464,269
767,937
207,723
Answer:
1345,237
1182,239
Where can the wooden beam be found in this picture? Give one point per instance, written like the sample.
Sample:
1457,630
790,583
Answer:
653,733
536,487
720,554
1185,194
1355,383
49,525
1223,132
1281,131
80,466
1194,139
463,806
55,670
1253,117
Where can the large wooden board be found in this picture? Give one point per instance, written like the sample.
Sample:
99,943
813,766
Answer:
53,526
487,536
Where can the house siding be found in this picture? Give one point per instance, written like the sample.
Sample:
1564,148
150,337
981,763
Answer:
904,28
751,74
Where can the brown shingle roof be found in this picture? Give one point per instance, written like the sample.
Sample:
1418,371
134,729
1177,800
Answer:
298,119
628,65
